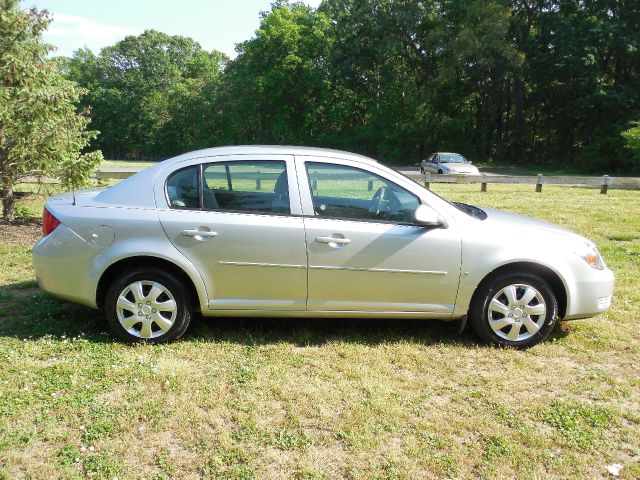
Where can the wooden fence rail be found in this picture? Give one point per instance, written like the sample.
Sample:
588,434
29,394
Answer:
605,182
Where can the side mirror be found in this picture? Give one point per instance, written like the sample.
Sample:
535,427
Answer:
427,217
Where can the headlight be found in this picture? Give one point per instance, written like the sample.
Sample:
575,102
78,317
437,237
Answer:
590,254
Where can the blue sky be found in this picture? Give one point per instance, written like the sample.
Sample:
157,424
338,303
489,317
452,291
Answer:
216,24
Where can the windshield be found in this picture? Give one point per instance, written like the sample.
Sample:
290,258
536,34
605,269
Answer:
470,210
452,158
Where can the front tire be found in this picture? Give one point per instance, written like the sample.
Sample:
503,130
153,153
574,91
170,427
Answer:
148,305
515,309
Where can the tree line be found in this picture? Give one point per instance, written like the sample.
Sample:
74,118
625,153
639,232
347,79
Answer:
523,81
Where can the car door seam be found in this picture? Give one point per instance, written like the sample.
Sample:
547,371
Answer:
304,224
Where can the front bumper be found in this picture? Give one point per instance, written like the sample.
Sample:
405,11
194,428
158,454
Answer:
591,294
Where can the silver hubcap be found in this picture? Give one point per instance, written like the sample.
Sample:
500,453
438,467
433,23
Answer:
517,312
146,309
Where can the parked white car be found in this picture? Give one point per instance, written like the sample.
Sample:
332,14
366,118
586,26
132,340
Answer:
305,232
448,164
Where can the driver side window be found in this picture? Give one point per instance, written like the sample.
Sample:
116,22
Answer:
340,191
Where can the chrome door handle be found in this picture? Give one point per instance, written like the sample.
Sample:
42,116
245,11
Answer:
339,241
199,233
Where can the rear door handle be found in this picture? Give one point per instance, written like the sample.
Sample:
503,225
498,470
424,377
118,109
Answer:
199,233
337,240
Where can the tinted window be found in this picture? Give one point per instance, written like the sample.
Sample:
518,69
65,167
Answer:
246,186
340,191
183,189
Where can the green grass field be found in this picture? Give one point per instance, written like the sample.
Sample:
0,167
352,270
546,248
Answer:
126,163
315,399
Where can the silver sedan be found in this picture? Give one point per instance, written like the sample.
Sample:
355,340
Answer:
449,164
304,232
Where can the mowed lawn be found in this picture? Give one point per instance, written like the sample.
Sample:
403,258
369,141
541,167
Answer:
313,399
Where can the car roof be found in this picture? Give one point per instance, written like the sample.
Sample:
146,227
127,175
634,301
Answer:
268,150
137,190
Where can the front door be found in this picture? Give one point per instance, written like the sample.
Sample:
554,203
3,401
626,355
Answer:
364,252
233,220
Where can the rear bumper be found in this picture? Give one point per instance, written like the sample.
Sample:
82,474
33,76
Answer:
60,262
591,295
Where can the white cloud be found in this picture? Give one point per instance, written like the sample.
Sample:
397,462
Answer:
69,33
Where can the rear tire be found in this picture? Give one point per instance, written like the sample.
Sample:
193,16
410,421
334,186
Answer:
148,305
515,309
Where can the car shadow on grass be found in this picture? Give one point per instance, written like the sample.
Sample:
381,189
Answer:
560,331
26,312
304,332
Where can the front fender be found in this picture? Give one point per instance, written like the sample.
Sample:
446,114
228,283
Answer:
481,260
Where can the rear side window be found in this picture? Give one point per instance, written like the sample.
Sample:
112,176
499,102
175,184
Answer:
183,189
246,186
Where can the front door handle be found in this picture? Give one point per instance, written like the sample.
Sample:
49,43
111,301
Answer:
199,233
336,240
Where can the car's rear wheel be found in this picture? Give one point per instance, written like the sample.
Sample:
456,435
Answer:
515,309
147,305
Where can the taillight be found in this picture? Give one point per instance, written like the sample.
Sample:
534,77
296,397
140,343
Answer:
49,222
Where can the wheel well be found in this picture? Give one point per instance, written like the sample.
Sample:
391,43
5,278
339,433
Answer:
144,261
546,273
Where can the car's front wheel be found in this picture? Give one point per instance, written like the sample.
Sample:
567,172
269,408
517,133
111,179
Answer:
147,305
516,309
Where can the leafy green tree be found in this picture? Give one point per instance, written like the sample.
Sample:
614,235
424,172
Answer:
135,89
278,90
426,75
41,132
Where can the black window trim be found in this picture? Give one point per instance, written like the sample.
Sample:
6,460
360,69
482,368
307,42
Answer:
201,168
166,189
200,189
361,220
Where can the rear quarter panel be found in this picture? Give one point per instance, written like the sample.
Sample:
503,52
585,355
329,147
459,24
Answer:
110,234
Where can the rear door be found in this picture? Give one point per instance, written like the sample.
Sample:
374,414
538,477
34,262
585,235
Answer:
237,219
